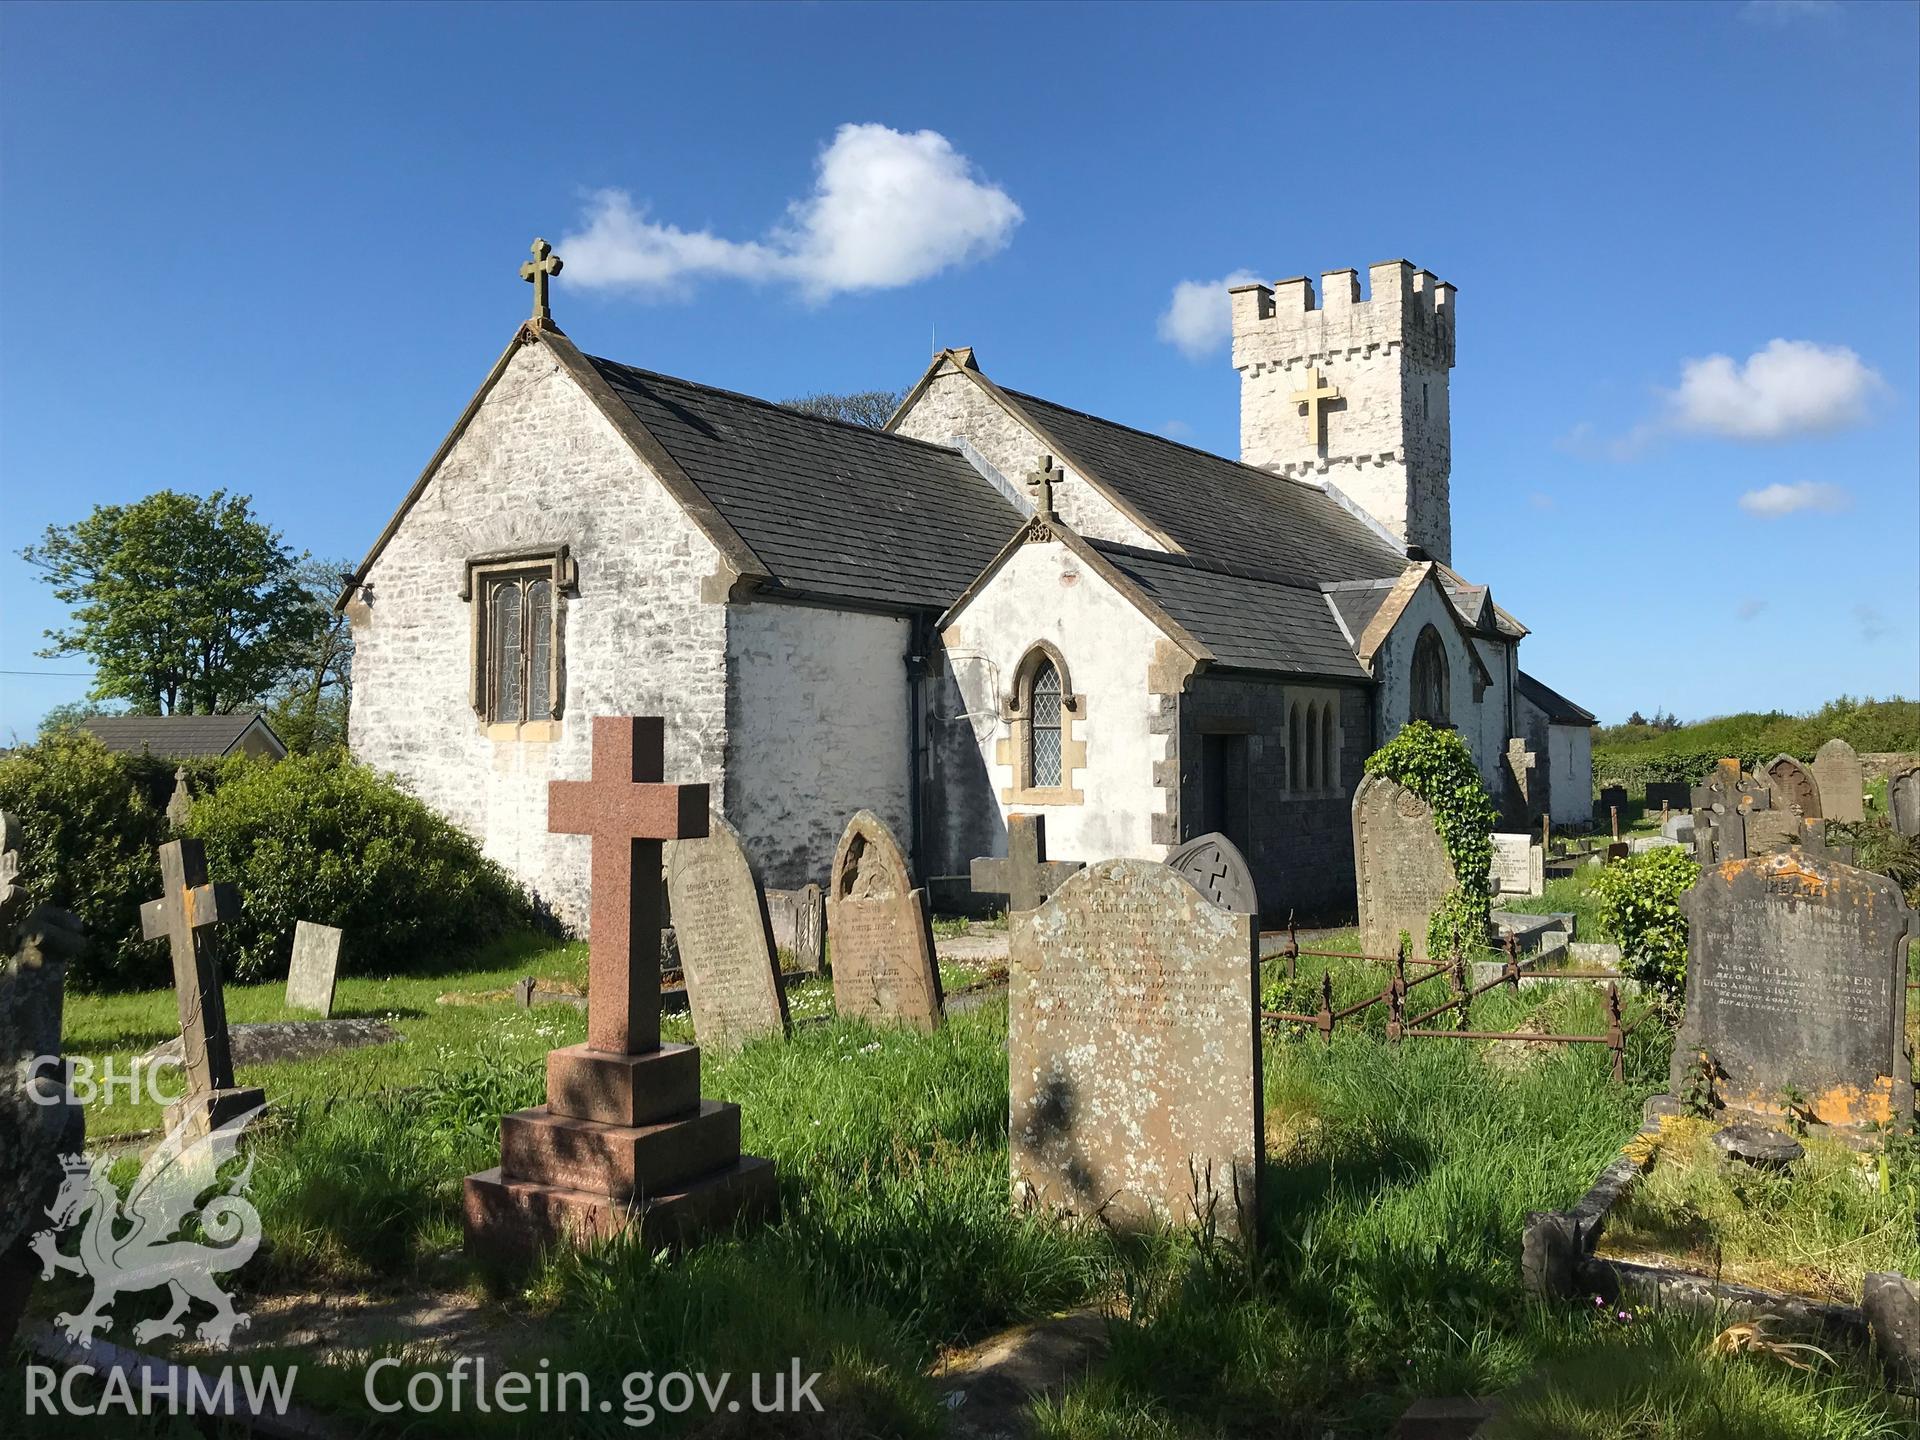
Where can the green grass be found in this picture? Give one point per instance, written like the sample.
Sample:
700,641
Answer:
1397,1184
1575,895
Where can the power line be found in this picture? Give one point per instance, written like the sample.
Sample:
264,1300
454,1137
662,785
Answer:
65,674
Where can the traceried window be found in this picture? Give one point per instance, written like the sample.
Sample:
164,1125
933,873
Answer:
1044,727
518,623
1430,679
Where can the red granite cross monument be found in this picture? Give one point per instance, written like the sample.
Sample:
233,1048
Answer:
624,1136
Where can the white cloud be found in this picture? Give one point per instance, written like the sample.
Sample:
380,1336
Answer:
1199,318
1770,502
1785,12
887,209
1751,609
1792,387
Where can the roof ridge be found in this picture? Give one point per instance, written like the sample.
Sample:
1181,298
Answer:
767,404
1212,567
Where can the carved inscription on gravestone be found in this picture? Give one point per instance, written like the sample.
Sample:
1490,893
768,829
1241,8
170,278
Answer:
726,942
1519,865
1401,870
1796,977
881,944
1134,1051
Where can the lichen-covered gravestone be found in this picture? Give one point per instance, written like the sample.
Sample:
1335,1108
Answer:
1214,864
1401,869
1794,787
1134,1052
1519,865
877,925
39,1121
315,967
1842,781
726,939
1796,982
1722,807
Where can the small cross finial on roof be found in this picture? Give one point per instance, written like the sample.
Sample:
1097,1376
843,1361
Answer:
1043,480
536,272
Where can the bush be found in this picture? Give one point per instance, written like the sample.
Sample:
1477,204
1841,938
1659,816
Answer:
1640,903
1437,766
1635,754
322,838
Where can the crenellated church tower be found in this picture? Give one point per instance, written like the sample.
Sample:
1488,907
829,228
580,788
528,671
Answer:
1352,393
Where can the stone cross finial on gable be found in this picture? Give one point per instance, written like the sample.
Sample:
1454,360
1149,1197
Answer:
536,272
1043,480
628,812
1316,397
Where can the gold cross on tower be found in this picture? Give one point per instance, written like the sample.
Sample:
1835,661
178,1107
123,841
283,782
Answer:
1315,398
1043,480
535,273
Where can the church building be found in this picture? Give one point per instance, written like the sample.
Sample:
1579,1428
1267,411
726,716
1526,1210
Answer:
997,605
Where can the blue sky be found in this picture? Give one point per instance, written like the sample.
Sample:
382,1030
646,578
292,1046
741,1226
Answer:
273,249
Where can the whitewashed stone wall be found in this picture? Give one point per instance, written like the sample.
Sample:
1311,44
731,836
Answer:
818,728
539,466
1045,592
1388,437
1481,723
952,406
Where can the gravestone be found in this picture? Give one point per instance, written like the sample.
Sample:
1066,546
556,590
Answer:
726,939
1529,800
1769,831
186,913
1796,977
1793,786
1612,797
180,803
39,1119
1668,794
1134,1052
1215,865
1519,865
1842,782
316,964
1025,876
1903,802
625,1139
799,920
1401,870
883,965
1721,808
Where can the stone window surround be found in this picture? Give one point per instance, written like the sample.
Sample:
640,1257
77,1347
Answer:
1318,712
478,571
1015,749
1429,644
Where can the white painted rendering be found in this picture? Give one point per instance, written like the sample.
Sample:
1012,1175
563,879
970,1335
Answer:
817,729
954,407
1046,592
538,466
1570,758
1480,723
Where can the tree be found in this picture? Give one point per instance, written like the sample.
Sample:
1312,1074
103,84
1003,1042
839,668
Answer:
68,715
871,408
186,605
308,709
1636,718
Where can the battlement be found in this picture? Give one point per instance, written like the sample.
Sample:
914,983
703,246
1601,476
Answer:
1281,323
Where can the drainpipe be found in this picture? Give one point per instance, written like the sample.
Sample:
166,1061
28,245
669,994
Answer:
918,646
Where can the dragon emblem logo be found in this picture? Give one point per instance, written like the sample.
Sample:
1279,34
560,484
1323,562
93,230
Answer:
135,1243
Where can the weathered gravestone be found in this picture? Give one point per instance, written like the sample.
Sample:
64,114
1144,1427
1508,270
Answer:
1215,865
625,1138
39,1120
1903,802
726,939
1668,795
1842,782
1401,869
1519,865
1721,809
1794,787
1134,1052
185,914
883,965
1796,980
1612,798
315,967
1024,875
180,803
1528,798
799,920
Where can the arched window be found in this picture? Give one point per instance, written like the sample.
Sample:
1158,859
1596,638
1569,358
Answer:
1430,679
1296,757
1316,780
1329,775
1044,728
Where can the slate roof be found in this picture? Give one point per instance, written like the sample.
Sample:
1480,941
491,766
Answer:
1219,510
1249,620
832,509
173,736
1558,709
1358,602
